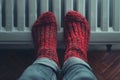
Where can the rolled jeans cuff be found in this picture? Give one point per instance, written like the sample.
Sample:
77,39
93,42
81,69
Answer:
47,62
74,61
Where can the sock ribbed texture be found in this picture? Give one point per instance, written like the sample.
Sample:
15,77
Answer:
76,34
44,36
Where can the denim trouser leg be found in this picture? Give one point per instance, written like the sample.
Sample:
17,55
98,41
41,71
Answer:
41,69
76,69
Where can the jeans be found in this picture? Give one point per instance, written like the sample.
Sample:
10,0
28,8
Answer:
46,69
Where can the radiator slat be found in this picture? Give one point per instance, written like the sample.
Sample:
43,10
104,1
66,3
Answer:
0,14
21,15
57,11
9,15
116,15
44,5
32,12
105,15
80,5
68,5
92,14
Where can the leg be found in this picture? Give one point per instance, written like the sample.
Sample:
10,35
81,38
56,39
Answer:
77,69
40,69
76,34
44,36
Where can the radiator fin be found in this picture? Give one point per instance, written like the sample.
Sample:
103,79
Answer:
9,8
104,15
32,12
44,6
92,14
68,5
0,15
57,11
21,15
116,15
80,6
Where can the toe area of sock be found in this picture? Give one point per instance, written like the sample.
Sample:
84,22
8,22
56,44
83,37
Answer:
47,17
73,16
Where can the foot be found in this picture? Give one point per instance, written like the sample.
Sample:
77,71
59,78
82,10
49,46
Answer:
44,36
76,35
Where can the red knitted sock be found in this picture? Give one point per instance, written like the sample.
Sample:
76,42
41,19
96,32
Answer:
44,36
76,34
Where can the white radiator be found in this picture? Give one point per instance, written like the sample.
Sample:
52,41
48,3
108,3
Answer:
17,17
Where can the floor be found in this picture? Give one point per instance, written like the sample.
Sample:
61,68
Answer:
106,65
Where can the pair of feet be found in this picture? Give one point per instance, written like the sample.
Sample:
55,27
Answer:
76,35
